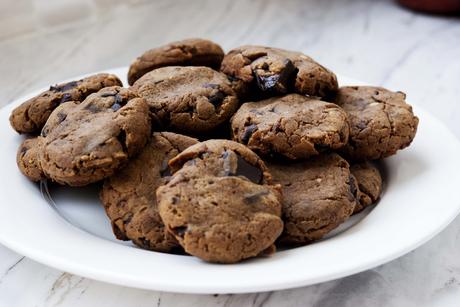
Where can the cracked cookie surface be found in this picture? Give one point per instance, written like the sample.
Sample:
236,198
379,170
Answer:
31,115
381,122
318,195
87,142
277,71
294,126
220,204
369,182
187,52
27,159
129,195
188,99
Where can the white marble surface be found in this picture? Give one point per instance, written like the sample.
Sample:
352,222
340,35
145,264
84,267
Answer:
376,41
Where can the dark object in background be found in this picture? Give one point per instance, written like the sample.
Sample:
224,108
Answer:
433,6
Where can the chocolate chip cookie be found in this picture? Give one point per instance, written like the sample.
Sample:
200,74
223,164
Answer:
90,141
129,195
27,159
369,183
277,71
381,122
188,99
294,126
220,204
319,194
30,116
187,52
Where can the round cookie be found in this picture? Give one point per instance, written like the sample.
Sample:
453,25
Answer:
27,159
319,194
277,71
91,140
369,182
187,52
220,203
31,115
188,99
129,195
381,122
294,126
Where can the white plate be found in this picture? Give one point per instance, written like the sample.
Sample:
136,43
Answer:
420,199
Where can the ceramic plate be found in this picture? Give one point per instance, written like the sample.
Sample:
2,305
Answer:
67,228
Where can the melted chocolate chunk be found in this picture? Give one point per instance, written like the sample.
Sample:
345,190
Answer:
66,97
92,108
144,242
275,82
253,198
119,102
243,168
64,87
165,171
249,171
179,231
109,94
353,188
231,78
217,98
211,85
61,117
248,131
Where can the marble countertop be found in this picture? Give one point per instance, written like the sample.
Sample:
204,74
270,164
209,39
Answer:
374,41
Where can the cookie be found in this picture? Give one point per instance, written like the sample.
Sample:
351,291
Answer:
294,126
192,100
381,122
27,159
369,182
220,204
91,140
277,71
31,115
129,195
319,194
187,52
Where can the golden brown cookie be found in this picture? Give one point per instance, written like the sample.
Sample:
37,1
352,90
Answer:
90,141
129,195
381,122
294,126
220,204
187,52
30,116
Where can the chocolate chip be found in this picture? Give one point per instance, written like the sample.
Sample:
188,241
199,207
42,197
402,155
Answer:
353,188
248,170
122,140
243,168
217,98
119,102
144,242
248,131
253,198
108,94
174,200
179,231
275,82
321,147
165,171
211,85
231,78
61,117
64,87
66,97
92,108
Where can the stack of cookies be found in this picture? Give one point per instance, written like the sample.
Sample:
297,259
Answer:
220,156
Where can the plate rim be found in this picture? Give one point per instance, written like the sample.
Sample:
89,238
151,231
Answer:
123,280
